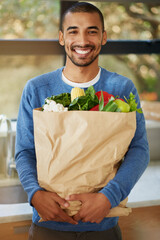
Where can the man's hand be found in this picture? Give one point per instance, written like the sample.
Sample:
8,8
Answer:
48,206
95,206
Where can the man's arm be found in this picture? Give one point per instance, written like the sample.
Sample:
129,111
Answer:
24,151
46,203
135,162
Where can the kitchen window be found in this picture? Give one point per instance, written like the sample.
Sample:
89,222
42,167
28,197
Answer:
28,45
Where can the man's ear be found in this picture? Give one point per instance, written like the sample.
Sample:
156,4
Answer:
61,39
104,38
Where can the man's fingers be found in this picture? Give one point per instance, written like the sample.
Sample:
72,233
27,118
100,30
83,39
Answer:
67,218
77,217
72,197
75,197
60,201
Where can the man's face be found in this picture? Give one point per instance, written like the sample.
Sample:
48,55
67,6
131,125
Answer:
82,37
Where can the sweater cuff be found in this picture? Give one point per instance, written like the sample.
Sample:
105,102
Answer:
113,193
30,195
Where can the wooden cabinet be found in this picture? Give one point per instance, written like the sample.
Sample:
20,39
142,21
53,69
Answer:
142,224
14,230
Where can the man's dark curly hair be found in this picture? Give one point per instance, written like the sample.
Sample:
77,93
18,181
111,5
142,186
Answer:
82,7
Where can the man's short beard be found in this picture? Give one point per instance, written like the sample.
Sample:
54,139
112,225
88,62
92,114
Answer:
83,64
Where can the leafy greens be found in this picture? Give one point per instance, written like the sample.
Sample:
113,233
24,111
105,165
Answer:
85,102
63,98
132,103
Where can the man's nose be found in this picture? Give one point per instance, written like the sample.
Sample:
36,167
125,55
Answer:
83,39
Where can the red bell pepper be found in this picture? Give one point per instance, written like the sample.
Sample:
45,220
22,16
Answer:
95,108
106,95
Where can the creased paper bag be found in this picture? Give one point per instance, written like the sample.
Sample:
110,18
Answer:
80,151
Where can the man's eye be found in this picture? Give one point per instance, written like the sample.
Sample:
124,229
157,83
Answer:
72,32
92,32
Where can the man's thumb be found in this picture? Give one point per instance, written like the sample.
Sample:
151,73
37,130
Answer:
62,202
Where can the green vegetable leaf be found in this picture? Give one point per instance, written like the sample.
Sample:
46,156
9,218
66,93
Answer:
111,106
101,102
132,103
63,98
90,92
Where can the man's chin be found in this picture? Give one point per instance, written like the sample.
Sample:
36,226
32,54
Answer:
82,62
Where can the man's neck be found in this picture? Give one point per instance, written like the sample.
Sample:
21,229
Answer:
80,74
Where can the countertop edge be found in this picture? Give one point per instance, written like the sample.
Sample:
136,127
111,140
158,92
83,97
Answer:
21,216
17,218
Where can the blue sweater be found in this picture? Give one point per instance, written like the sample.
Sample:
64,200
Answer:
134,164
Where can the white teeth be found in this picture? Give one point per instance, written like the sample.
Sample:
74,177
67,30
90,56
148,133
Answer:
82,51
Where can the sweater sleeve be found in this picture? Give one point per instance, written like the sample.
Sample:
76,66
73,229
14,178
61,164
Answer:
134,164
24,150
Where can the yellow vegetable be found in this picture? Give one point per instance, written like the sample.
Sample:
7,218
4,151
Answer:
76,92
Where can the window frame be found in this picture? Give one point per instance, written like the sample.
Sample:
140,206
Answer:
52,46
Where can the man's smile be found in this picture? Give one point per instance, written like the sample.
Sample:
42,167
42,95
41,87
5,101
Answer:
83,51
80,51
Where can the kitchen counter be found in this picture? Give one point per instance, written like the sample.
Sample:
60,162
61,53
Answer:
8,181
152,124
145,193
15,212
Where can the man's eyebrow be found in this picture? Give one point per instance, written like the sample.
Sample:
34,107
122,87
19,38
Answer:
75,27
71,27
93,27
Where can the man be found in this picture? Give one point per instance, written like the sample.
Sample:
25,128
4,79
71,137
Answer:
82,35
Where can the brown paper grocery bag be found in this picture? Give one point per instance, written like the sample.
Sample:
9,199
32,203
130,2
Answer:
80,151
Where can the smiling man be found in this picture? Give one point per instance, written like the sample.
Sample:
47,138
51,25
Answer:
82,34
